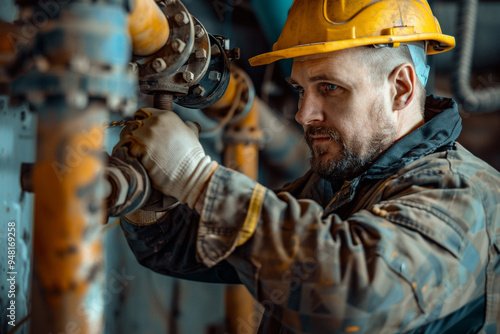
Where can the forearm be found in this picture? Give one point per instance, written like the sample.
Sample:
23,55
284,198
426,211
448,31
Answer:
165,243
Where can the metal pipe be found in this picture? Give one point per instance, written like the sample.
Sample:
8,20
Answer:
7,50
474,100
229,96
85,50
241,152
148,27
69,210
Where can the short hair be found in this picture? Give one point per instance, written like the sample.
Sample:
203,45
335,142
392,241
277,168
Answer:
385,59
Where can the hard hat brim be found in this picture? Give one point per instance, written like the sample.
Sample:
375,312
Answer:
438,43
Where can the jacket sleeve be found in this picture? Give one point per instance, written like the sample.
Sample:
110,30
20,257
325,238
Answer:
413,253
168,246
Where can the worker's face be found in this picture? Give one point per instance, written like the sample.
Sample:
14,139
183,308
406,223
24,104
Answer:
345,111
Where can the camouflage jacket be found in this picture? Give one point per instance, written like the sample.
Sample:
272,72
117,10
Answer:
411,245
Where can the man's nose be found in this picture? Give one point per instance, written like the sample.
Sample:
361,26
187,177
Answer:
310,111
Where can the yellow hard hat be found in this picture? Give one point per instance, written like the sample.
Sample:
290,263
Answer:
315,26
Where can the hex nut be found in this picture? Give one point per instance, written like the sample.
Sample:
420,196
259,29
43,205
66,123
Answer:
198,91
188,76
159,65
178,45
181,18
214,76
198,31
201,54
133,67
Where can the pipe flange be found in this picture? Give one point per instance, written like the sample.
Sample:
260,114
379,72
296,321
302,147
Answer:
196,66
190,73
176,51
243,102
214,82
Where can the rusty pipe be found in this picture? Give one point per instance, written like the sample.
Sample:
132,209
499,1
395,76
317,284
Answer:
241,152
7,49
148,28
68,214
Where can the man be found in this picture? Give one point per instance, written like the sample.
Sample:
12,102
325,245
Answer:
396,227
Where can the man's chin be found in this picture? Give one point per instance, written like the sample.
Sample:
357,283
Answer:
337,168
323,164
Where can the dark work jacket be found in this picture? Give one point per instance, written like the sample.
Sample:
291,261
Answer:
411,245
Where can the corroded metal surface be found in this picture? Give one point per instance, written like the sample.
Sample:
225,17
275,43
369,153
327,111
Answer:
67,181
148,28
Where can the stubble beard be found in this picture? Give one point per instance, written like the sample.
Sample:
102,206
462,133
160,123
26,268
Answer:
348,162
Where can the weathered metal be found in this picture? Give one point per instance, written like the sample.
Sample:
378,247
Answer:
177,49
242,138
85,51
148,27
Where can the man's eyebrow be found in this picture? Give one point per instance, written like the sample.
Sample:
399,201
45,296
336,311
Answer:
321,77
292,81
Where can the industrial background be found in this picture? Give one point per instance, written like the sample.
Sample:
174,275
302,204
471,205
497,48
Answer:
72,72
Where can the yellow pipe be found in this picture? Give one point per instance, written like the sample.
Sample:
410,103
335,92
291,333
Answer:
7,48
148,28
229,96
69,211
243,156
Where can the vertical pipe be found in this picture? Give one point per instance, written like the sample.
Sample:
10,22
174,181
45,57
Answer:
85,50
67,181
241,153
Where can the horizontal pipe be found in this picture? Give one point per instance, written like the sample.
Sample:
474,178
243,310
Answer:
148,27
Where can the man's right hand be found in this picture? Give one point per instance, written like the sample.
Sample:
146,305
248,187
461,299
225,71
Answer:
170,151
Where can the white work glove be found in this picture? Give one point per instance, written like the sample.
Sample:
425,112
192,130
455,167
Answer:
170,151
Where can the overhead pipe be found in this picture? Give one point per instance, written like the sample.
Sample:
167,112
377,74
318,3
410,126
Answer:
148,28
474,100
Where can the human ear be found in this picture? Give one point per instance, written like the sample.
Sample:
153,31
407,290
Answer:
403,78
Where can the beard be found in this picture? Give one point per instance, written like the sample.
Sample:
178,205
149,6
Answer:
347,163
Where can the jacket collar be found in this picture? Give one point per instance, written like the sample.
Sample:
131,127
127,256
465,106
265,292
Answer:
442,127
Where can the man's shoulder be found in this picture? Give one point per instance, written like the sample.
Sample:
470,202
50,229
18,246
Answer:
452,167
463,161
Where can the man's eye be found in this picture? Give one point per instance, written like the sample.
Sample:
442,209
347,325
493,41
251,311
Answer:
331,86
301,91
